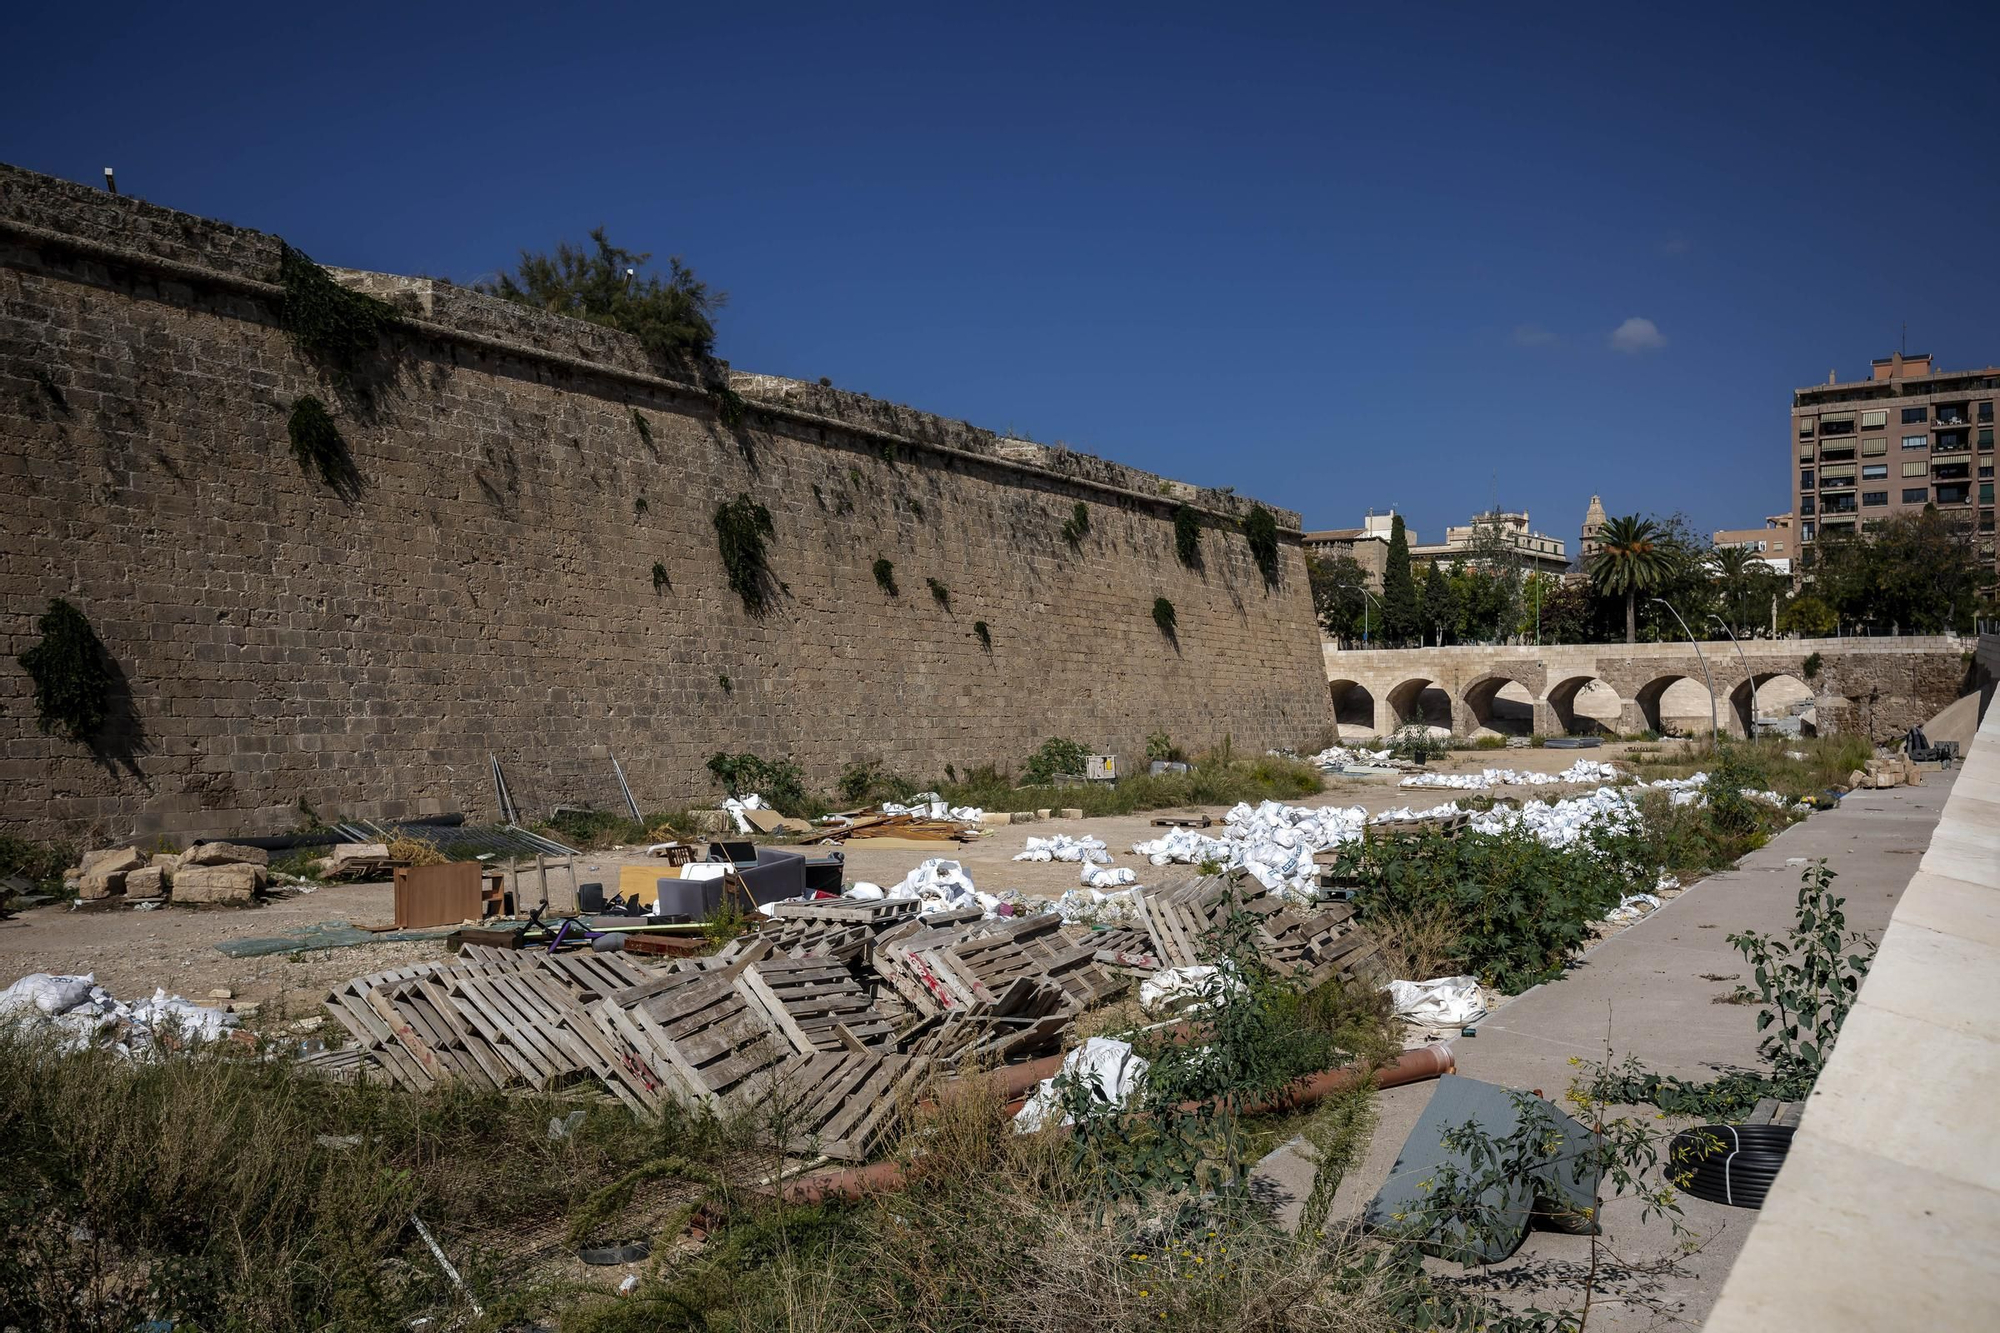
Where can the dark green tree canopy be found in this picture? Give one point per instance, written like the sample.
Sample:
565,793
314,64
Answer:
1399,590
672,316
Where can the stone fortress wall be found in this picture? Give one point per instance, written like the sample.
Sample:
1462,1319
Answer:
489,587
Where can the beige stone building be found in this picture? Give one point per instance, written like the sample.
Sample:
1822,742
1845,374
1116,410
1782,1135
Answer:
1594,519
1909,435
1533,551
1367,545
1775,541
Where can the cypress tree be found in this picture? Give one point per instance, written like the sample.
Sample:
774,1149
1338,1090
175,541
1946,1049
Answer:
1400,625
1440,605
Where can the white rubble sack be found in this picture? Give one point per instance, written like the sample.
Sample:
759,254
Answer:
863,891
48,994
1105,877
1632,907
1062,847
1175,989
1110,1068
1445,1001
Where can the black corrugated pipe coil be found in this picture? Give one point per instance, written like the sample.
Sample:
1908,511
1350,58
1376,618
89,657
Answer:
1729,1164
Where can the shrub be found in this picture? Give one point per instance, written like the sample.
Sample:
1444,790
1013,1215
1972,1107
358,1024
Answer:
1077,527
645,429
659,576
1490,743
741,528
71,672
1810,667
1187,536
1164,616
337,328
728,404
1260,529
1057,758
941,593
672,318
867,782
885,576
984,635
779,782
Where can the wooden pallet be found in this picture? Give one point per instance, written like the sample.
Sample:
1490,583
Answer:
705,1041
590,974
817,1003
851,911
348,1003
844,1104
1178,914
431,1032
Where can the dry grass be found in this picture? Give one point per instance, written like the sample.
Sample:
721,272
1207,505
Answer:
1418,942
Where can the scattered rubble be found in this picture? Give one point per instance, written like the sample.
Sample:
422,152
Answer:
1583,770
83,1014
211,873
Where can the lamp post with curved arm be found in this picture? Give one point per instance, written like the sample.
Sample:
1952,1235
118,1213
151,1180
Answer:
1366,597
1714,725
1749,732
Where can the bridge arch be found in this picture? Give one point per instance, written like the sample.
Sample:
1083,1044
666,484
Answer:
1501,703
1420,699
1353,708
1586,706
1777,692
1675,699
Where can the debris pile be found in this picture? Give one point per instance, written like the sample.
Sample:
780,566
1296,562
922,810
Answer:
842,1010
83,1014
1897,770
211,873
1583,770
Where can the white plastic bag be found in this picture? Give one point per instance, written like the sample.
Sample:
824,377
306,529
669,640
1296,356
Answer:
46,993
1175,989
1445,1001
1109,1066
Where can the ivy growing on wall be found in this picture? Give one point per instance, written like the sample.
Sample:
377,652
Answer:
1187,536
317,444
940,592
984,635
71,672
728,403
1260,529
660,579
1165,616
1078,525
338,329
741,528
885,576
644,427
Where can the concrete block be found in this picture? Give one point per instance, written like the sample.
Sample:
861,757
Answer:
1072,813
146,882
97,884
996,819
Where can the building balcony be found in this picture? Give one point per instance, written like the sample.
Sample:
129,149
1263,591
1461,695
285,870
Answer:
1954,495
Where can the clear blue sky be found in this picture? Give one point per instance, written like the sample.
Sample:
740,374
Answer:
1335,257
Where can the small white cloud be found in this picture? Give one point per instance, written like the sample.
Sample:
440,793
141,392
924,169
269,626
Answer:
1637,335
1530,335
1676,245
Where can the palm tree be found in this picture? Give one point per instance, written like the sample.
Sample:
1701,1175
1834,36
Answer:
1633,558
1742,574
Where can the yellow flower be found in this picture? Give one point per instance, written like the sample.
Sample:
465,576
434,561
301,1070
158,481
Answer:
1143,1292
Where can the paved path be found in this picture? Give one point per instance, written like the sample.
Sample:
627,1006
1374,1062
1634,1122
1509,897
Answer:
1647,991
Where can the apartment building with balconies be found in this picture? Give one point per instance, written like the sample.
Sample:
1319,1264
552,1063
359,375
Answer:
1910,435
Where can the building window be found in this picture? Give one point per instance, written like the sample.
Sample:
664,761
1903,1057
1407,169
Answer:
1917,469
1951,442
1874,471
1986,492
1950,471
1874,420
1878,445
1805,479
1916,441
1805,428
1807,530
1986,411
1837,455
1986,520
1836,426
1986,437
1916,495
1871,499
1912,415
1954,495
1806,507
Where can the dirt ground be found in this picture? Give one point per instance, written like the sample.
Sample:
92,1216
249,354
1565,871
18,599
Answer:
132,952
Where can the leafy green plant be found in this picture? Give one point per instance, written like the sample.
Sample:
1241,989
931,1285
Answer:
939,593
338,329
660,579
885,576
1160,748
779,781
741,528
1260,530
1077,526
1416,742
1164,616
1058,757
1810,667
639,505
1187,536
728,686
916,507
72,674
317,444
868,781
984,634
644,427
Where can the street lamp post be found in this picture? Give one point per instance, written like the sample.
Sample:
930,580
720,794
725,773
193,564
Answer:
1714,726
1366,597
1749,732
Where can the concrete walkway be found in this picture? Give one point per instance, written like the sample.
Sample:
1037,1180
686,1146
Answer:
1648,992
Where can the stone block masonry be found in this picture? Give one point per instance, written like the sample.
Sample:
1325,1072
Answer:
490,588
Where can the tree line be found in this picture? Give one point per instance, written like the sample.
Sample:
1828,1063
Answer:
1916,573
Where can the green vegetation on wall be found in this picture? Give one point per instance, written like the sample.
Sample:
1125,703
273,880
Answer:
885,576
1260,529
741,528
71,672
1077,527
337,329
1187,536
317,444
1164,616
940,592
674,317
983,634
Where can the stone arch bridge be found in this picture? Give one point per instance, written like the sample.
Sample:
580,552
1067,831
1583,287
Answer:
1878,687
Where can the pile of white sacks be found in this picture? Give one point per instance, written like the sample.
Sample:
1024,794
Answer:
82,1013
1340,756
1583,770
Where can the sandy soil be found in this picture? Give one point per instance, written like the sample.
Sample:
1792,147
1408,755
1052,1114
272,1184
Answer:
131,952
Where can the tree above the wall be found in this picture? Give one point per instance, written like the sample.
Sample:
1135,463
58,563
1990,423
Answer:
71,672
601,282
